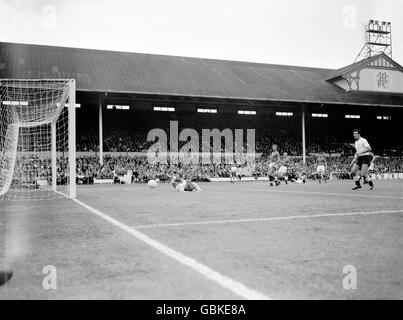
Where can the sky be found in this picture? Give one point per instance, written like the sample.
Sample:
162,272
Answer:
315,33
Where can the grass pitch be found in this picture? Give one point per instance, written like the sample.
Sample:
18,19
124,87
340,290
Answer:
286,242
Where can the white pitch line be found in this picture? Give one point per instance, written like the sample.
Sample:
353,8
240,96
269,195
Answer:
325,193
196,223
234,286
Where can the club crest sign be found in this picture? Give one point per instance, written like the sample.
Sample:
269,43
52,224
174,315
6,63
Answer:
383,80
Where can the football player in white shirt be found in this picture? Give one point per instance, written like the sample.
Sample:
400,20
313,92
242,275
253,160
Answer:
233,173
321,169
281,174
362,160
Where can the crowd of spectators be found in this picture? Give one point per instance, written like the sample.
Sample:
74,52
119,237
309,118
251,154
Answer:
31,168
143,170
127,141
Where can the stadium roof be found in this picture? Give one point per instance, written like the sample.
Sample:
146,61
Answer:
357,65
137,73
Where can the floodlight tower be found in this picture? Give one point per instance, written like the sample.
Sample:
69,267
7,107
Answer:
378,39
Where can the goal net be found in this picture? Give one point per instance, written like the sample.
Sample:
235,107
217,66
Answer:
37,139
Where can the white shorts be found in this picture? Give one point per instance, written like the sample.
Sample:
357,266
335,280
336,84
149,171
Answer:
283,169
320,168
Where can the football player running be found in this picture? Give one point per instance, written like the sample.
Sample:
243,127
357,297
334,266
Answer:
362,160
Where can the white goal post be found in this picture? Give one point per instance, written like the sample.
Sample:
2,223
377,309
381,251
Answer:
37,139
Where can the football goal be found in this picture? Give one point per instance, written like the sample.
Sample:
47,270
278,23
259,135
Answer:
37,139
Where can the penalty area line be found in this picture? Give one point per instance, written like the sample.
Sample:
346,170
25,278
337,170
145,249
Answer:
197,223
234,286
324,193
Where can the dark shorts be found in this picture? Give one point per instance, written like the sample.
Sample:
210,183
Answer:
190,186
364,160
